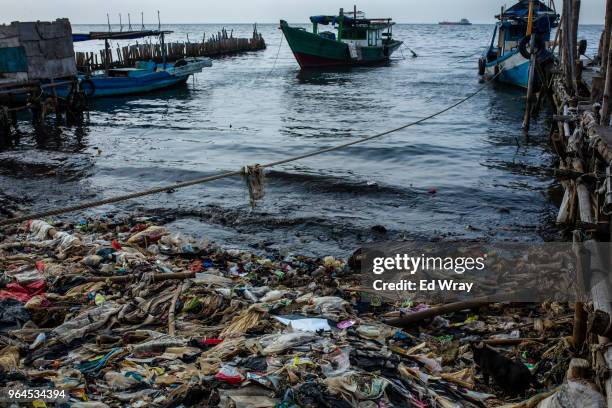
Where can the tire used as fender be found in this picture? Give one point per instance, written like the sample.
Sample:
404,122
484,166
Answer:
539,46
92,86
481,66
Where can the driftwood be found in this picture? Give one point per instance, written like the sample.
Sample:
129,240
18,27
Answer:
533,401
407,320
177,293
512,342
157,277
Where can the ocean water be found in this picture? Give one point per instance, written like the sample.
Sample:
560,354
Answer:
468,174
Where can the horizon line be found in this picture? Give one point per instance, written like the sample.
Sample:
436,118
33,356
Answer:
290,22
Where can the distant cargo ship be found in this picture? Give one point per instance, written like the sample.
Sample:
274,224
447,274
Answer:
464,21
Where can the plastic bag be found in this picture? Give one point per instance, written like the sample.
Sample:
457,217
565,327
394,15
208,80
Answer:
230,375
305,324
336,363
279,343
573,394
119,381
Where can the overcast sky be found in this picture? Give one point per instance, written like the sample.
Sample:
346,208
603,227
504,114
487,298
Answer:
263,11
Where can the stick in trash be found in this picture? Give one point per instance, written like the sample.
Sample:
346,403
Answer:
157,277
177,294
438,310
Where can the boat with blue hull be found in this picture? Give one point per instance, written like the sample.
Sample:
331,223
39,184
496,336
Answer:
508,56
146,76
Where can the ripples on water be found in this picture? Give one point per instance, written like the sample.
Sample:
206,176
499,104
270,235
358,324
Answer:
253,108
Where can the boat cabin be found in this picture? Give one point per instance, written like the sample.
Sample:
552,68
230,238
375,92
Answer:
355,30
512,27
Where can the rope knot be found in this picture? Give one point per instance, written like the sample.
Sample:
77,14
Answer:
254,179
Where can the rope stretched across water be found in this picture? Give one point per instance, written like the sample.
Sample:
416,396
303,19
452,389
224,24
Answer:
171,187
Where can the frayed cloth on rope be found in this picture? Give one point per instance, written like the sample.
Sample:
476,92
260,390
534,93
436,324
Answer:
254,178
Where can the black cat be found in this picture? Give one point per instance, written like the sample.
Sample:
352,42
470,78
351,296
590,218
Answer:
513,377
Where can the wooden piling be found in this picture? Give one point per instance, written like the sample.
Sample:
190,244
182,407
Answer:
605,43
607,94
588,151
223,43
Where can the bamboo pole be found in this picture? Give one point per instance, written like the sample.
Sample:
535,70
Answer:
606,38
532,64
584,196
582,270
568,46
575,21
605,106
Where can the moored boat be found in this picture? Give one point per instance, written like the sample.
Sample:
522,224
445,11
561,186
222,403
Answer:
508,55
145,76
358,41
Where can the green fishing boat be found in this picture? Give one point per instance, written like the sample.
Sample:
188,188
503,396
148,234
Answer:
359,41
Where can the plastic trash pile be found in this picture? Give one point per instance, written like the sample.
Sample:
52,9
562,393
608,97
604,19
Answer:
128,314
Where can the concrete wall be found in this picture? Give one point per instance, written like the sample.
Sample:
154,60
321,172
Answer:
48,49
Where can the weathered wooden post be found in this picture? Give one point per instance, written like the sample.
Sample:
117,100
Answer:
532,63
605,65
605,106
567,48
606,38
106,52
575,21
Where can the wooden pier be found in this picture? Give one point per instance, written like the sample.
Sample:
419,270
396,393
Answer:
221,44
581,136
35,58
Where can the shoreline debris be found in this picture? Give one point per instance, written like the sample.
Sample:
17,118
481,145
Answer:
161,320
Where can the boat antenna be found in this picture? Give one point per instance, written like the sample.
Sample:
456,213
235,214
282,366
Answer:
129,23
355,11
158,22
120,23
142,20
108,21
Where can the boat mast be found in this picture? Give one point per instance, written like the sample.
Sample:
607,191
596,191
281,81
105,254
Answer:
162,40
340,23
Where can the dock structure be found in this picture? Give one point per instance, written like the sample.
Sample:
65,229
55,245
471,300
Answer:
35,57
581,136
220,44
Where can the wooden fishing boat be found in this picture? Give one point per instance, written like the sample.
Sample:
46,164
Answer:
509,50
145,76
358,41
